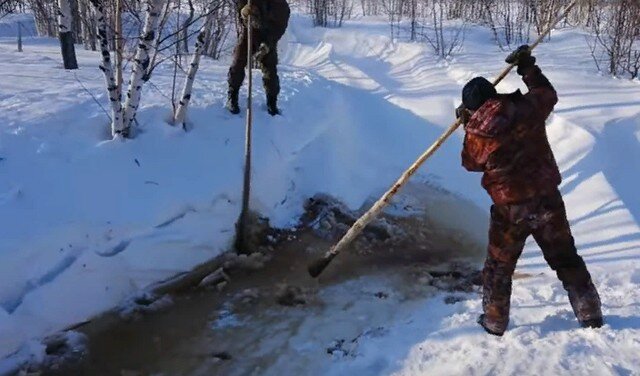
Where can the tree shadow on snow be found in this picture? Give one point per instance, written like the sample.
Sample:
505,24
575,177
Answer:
617,322
614,155
565,321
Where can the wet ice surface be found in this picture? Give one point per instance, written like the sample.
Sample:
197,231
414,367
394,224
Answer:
250,328
278,320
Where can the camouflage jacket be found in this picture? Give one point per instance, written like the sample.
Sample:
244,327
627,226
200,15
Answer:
506,139
274,16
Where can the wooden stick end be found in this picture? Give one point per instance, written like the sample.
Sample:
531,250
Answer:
317,267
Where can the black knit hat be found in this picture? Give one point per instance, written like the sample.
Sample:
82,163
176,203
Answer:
476,92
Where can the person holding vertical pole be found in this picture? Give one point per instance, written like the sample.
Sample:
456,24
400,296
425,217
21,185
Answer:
269,21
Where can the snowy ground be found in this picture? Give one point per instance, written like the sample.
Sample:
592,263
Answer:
85,222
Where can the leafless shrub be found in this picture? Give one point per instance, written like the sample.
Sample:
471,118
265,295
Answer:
327,13
615,43
444,41
370,7
11,6
427,21
222,22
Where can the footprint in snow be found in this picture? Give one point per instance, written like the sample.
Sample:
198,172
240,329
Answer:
118,248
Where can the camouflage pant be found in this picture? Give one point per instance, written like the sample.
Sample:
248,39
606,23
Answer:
268,64
544,218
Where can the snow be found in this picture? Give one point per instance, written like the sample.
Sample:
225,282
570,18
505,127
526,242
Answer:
87,222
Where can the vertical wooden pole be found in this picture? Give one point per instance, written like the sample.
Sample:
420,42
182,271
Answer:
19,37
241,235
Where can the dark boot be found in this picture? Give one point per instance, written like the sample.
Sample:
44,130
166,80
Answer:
594,324
272,107
270,79
232,103
586,306
490,328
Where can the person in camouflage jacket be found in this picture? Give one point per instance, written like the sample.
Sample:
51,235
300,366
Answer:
269,21
506,140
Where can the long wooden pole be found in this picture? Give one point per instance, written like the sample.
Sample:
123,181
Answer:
241,230
316,267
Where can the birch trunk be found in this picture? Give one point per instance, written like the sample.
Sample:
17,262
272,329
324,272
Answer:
119,41
65,33
93,34
42,18
184,32
85,22
185,97
107,69
141,63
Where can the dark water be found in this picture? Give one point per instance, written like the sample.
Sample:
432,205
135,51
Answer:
246,328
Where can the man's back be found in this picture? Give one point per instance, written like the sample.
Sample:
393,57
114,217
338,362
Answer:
506,139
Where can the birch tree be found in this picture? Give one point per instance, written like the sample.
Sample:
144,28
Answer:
140,64
184,32
221,25
44,17
85,26
107,69
185,97
119,42
65,33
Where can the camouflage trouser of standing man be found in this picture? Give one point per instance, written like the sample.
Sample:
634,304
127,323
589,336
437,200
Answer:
270,20
544,218
268,62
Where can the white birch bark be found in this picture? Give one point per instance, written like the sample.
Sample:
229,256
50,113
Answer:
93,34
119,44
185,97
107,69
64,16
65,33
84,23
141,63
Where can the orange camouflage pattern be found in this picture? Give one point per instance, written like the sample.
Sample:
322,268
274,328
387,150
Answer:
506,140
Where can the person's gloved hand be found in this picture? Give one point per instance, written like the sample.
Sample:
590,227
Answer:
463,114
521,58
248,10
263,50
254,12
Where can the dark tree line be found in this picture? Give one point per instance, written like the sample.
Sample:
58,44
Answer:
180,22
613,25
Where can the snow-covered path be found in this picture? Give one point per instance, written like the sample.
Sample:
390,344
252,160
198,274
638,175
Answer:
85,223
